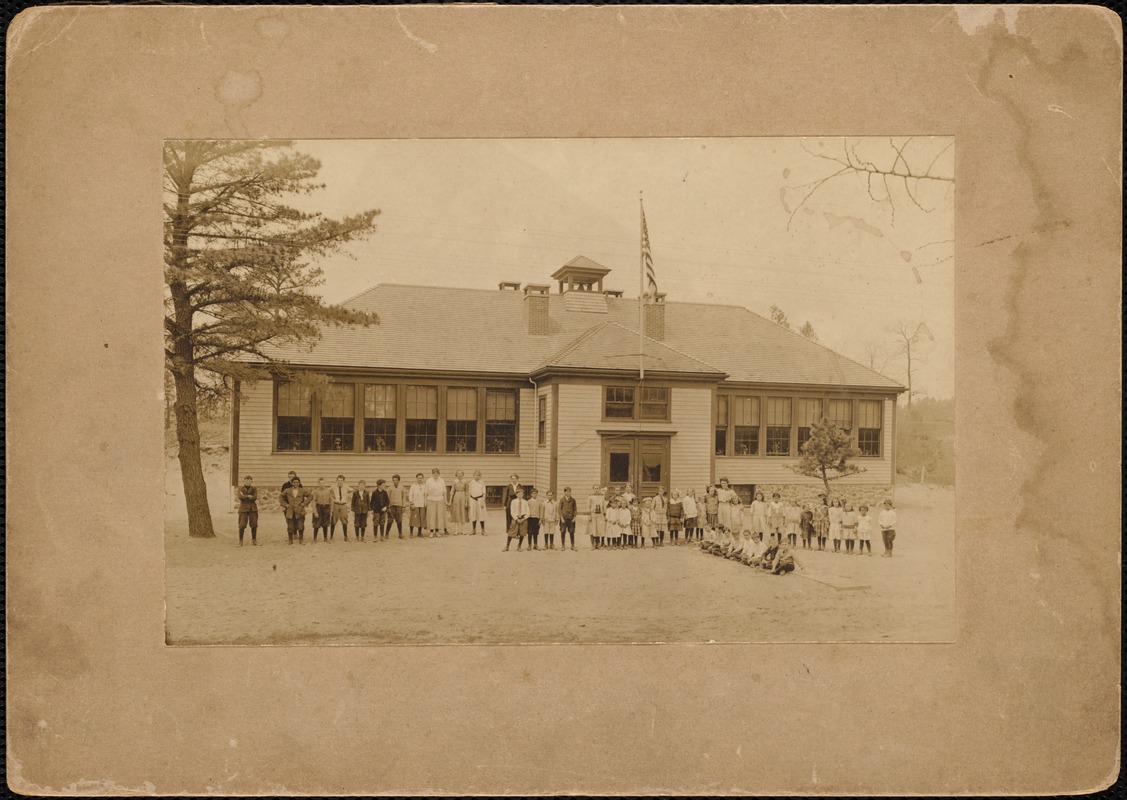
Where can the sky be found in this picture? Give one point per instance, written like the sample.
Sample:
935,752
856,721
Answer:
729,222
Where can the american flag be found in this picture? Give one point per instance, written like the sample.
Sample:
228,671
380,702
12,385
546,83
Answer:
648,261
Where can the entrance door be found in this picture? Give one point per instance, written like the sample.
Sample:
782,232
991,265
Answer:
641,463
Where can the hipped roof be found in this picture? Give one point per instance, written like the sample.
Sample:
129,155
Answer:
475,330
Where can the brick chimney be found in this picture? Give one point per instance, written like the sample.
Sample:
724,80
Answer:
654,318
536,309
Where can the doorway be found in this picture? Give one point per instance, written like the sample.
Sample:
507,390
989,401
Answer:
638,462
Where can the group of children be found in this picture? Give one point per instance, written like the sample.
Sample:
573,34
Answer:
774,556
531,517
618,521
816,526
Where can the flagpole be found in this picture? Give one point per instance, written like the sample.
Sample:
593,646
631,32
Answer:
641,290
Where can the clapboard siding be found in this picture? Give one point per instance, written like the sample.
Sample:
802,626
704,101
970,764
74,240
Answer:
767,470
580,446
256,430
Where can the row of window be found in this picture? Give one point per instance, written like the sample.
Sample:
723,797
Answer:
392,418
780,426
396,418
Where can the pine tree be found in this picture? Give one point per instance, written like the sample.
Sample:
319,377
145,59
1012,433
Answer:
827,455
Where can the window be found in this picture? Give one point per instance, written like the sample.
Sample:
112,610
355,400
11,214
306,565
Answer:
840,413
721,425
619,467
542,421
809,412
655,402
869,413
338,417
778,426
745,419
744,491
379,418
422,419
461,420
501,420
295,417
619,402
628,402
494,495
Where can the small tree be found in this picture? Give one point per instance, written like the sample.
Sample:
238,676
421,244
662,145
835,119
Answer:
827,455
808,331
779,317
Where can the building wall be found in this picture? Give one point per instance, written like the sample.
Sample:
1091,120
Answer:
580,446
774,471
256,456
543,457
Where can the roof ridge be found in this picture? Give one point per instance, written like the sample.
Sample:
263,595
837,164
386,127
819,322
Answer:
668,346
572,345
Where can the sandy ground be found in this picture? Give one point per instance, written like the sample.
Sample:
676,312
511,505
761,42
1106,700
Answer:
464,589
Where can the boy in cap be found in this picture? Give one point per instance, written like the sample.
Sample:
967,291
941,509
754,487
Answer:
380,503
361,504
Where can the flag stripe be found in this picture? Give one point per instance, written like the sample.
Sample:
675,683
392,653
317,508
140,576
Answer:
647,259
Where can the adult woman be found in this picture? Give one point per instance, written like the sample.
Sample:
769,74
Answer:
459,503
729,501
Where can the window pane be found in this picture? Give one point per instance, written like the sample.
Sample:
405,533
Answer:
869,413
619,467
542,421
840,412
778,441
501,405
338,420
295,433
620,402
651,467
500,437
744,491
809,411
379,402
379,435
295,400
778,411
655,402
422,402
422,436
461,436
746,440
494,495
721,411
868,441
745,411
461,404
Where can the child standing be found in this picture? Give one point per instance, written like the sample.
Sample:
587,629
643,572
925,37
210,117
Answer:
361,503
776,518
806,527
887,521
381,504
535,509
396,499
518,510
596,523
649,527
759,515
418,499
793,515
661,515
849,527
864,531
821,521
835,523
248,510
636,525
711,506
676,514
689,508
550,520
567,511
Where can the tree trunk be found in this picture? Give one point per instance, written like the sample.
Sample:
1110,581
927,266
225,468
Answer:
191,466
826,483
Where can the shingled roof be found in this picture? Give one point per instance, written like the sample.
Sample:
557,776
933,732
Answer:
483,331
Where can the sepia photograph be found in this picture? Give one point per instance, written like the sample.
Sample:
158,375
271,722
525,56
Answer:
474,391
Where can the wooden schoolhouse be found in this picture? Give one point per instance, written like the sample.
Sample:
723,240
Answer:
554,383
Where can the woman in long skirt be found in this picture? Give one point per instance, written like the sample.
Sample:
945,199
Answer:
727,498
596,522
459,503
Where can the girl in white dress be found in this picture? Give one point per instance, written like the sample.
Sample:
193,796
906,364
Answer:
690,509
661,509
759,516
550,520
864,531
849,527
596,521
649,527
835,523
476,491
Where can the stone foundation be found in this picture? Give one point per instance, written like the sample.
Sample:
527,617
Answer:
871,496
268,499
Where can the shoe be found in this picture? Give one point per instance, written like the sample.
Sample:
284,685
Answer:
240,544
254,543
573,547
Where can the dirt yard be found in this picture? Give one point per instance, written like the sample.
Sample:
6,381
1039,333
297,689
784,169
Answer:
464,589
